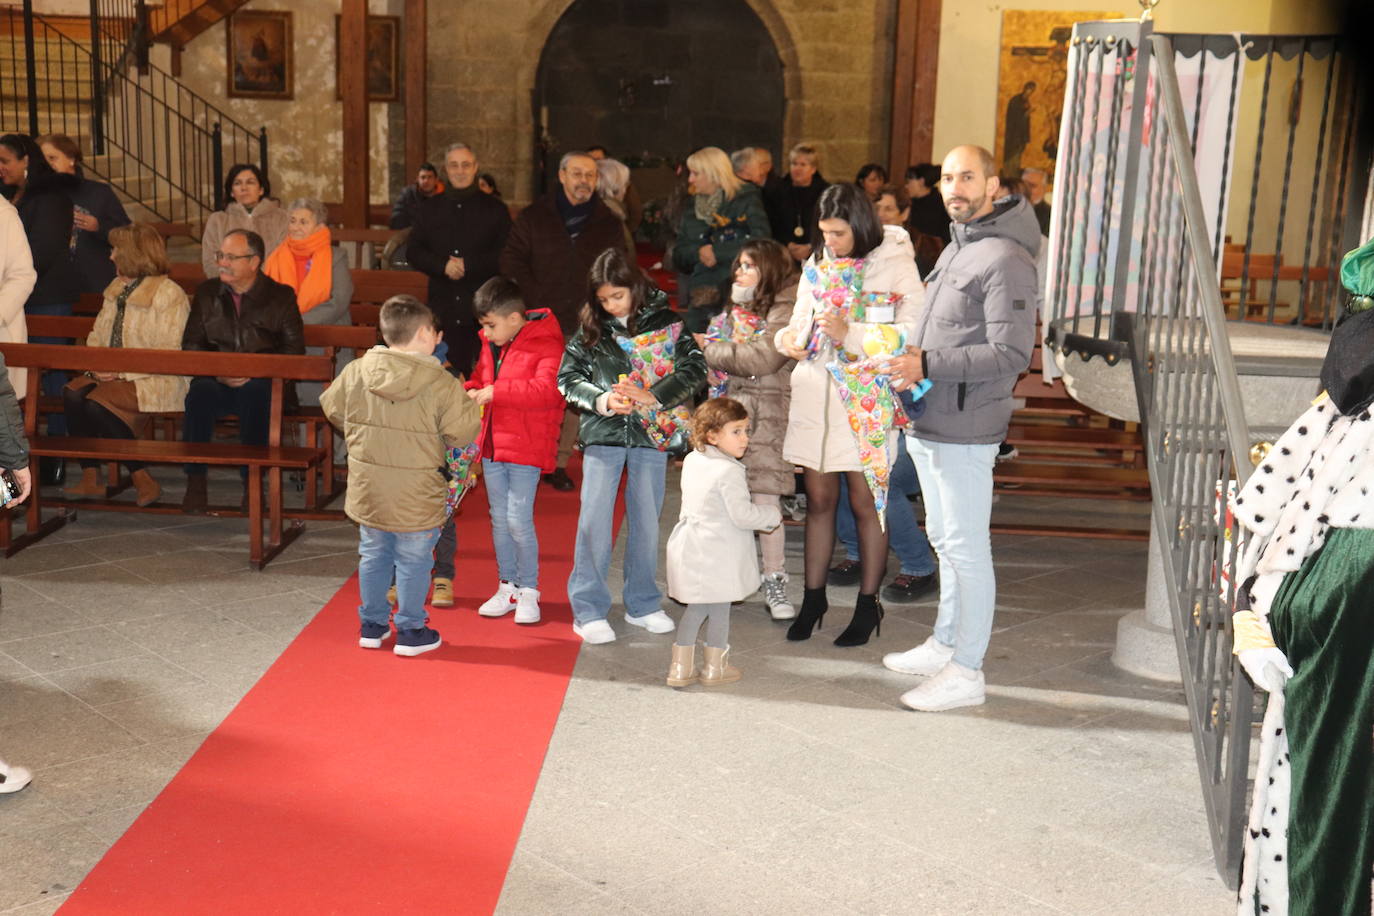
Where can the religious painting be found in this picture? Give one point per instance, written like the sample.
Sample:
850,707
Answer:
259,55
1030,88
383,40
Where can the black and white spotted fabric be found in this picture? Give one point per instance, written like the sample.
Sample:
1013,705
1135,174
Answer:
1319,474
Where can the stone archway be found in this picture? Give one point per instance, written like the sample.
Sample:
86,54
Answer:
615,93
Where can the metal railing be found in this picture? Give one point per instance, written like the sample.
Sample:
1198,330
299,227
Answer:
1197,441
143,131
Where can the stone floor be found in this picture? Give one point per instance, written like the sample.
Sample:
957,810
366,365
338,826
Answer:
804,789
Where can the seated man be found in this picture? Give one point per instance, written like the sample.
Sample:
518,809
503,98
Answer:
244,311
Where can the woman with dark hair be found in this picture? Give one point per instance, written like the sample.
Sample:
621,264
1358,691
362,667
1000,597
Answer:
486,183
870,179
145,309
629,426
97,211
859,295
748,368
248,204
43,198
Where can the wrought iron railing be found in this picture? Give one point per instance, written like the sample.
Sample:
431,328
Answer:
145,132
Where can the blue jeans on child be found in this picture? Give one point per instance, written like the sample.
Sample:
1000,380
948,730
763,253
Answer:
588,592
904,535
510,493
408,554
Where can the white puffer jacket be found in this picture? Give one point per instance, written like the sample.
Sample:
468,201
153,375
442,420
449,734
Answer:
818,432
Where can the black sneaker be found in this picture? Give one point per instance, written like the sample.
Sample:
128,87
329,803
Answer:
372,635
416,641
904,589
559,480
1007,452
845,572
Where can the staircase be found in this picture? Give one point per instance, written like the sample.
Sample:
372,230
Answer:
176,22
162,147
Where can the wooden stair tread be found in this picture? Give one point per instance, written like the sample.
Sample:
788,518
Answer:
1085,476
1092,437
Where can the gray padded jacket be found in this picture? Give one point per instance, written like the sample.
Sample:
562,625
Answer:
977,329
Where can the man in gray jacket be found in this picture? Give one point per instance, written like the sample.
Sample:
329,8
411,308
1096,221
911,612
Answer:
14,456
973,339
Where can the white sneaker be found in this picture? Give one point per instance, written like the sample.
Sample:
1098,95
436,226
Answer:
926,660
527,606
953,687
657,622
501,603
12,778
595,632
775,596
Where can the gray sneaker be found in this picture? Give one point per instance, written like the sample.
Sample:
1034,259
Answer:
775,596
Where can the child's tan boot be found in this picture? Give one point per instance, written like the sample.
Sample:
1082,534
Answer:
682,672
443,593
717,670
391,596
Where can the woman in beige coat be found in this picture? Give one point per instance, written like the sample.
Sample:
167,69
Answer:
758,376
144,309
248,205
819,434
17,278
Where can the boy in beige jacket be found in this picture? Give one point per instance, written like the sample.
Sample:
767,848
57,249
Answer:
399,409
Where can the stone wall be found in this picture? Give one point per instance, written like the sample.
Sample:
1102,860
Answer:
484,58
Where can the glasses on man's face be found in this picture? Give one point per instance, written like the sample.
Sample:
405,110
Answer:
226,256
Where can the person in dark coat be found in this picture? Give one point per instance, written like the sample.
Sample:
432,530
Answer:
427,185
244,311
457,240
97,211
548,254
43,198
791,205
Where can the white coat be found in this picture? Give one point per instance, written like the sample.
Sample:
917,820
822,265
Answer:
818,433
17,278
711,554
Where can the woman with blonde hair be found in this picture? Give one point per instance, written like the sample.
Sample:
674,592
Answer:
144,309
725,213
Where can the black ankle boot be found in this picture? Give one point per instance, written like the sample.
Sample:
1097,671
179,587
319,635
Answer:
809,617
52,472
868,616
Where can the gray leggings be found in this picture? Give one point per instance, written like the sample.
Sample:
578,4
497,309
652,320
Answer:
717,630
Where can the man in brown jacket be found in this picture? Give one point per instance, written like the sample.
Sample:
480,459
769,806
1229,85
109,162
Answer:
399,409
244,311
548,254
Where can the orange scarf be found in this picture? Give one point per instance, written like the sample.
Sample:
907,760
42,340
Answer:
318,282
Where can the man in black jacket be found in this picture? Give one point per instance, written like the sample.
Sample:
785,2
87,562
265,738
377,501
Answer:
457,241
549,253
244,311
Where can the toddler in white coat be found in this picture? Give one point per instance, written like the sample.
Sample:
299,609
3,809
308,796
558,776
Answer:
711,557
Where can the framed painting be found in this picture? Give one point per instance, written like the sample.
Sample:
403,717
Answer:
259,55
383,65
1030,86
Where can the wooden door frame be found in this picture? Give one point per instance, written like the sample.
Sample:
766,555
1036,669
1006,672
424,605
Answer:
916,61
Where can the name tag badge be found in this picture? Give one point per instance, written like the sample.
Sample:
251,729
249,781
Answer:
881,314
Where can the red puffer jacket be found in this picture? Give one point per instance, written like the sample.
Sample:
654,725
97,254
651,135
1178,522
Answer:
522,422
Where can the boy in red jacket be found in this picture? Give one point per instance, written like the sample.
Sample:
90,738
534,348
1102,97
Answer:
516,382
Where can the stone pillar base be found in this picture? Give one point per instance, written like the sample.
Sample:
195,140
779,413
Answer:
1146,650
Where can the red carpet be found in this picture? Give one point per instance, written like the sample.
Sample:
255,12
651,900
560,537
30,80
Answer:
352,781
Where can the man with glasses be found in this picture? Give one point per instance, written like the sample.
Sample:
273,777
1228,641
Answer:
244,311
549,253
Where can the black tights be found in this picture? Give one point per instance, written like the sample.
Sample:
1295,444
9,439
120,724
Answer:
89,419
822,495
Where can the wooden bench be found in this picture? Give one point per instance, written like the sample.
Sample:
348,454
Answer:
364,245
333,339
272,458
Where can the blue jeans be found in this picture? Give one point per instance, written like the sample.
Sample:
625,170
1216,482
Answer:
957,483
53,380
904,535
407,554
602,465
510,493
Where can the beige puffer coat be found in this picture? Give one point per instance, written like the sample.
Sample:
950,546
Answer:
818,433
760,379
267,219
154,319
399,412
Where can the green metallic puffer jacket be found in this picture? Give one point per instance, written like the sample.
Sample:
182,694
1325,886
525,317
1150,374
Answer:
589,372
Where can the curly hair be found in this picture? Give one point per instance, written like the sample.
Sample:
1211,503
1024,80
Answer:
712,416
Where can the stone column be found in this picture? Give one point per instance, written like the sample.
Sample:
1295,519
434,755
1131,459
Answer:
1145,638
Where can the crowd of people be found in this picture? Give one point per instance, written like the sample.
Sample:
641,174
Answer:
806,321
